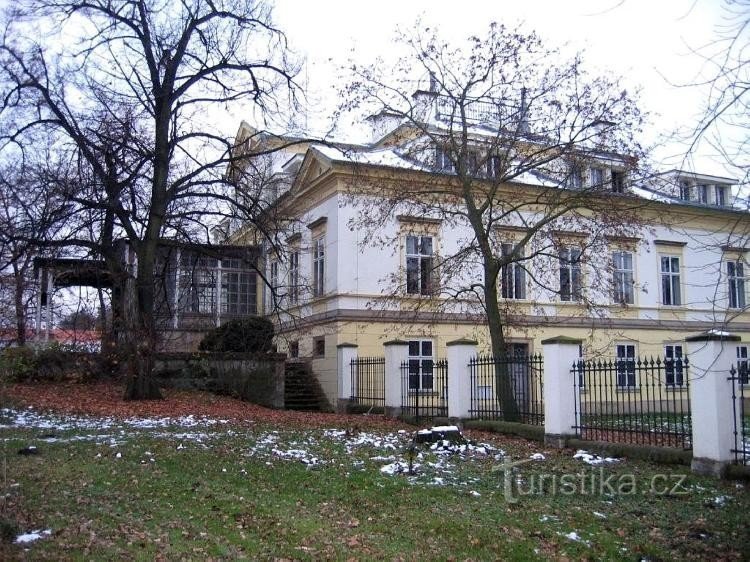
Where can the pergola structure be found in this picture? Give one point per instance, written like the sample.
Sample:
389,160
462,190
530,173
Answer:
199,286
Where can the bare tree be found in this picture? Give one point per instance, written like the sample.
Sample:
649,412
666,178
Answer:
522,149
133,98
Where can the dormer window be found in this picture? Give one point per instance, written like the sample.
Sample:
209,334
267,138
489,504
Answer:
618,181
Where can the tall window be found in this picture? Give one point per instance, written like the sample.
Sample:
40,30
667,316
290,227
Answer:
570,274
736,280
319,266
294,277
673,366
420,265
670,280
618,181
274,274
442,161
494,164
623,277
625,365
575,176
421,361
238,288
597,177
512,276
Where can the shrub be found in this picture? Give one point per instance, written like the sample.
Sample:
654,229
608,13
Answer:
18,363
248,335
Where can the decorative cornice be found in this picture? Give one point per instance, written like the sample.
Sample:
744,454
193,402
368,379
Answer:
317,222
669,243
420,220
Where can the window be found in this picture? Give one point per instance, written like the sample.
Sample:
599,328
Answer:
319,346
319,268
721,195
570,274
575,176
597,177
442,161
421,361
684,191
494,165
294,277
743,372
673,365
623,277
198,285
420,268
512,275
703,194
618,181
625,365
670,280
274,275
736,279
238,290
294,349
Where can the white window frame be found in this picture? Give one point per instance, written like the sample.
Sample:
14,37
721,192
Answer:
425,265
684,190
736,284
512,275
421,365
625,362
670,280
674,357
743,365
293,275
623,278
570,266
442,162
597,181
319,266
575,175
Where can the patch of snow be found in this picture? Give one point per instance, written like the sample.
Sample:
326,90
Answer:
474,494
592,459
398,467
441,429
599,515
721,501
537,457
118,456
573,536
32,536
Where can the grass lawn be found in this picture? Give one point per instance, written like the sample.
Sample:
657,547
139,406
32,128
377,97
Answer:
207,487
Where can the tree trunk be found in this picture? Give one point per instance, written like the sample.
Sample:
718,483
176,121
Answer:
142,332
503,383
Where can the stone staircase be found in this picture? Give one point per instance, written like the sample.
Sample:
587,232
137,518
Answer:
301,389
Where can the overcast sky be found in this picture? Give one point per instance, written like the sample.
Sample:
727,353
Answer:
647,42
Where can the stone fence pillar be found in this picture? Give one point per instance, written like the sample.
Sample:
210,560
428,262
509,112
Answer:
560,354
711,356
460,352
345,353
396,353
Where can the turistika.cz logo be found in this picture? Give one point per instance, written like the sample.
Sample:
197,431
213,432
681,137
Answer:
592,482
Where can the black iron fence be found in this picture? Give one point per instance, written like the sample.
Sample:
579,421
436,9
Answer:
510,389
633,400
740,377
368,381
424,388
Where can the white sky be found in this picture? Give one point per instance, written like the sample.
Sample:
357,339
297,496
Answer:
645,41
